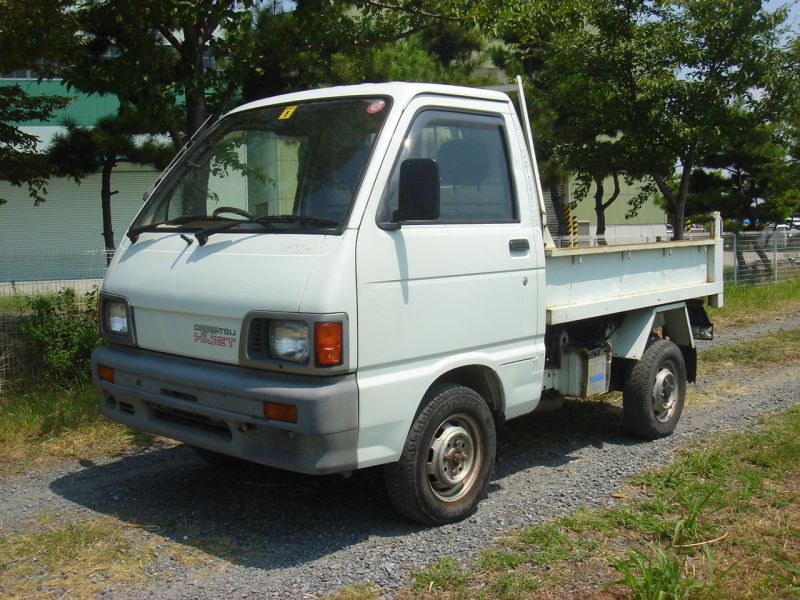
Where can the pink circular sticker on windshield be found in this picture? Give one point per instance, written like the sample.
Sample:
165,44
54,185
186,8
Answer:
376,107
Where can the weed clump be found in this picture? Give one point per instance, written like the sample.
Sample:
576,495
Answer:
59,336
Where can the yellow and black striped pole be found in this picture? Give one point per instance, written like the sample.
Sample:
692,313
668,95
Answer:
687,224
574,230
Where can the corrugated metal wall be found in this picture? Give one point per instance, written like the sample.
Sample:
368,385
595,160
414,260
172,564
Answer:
67,224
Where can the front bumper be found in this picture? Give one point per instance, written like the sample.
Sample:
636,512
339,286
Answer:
220,407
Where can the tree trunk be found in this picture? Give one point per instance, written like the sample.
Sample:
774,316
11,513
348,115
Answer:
192,62
677,202
105,196
600,206
680,201
599,209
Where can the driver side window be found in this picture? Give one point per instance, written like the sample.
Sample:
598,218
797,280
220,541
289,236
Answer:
474,172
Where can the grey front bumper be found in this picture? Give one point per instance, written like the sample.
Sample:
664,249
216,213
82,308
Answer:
220,407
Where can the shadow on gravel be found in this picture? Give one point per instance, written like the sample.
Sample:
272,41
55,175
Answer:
268,519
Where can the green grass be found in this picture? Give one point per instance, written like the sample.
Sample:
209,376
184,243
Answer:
44,411
59,557
655,574
748,304
48,423
14,304
781,347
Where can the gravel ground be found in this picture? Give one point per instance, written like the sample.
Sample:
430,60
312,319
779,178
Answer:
287,535
731,335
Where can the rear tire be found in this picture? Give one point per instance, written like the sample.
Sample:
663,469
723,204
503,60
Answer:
655,391
447,459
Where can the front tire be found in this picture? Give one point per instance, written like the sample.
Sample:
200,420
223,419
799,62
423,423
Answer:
447,459
655,391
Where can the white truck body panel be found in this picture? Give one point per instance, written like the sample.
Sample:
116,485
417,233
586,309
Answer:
595,281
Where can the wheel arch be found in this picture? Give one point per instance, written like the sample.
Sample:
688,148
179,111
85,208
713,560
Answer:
483,380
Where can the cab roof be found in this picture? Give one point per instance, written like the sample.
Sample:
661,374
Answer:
400,92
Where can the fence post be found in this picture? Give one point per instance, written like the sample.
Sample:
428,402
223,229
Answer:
775,255
735,238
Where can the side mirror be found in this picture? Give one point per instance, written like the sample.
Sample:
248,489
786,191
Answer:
418,193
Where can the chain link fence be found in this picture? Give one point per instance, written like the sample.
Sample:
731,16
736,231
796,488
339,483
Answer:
26,274
752,258
761,257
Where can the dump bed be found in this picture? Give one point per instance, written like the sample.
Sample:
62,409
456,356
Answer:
585,282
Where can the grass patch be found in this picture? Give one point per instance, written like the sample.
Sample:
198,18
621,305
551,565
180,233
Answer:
445,574
79,559
748,304
722,521
780,348
46,423
12,304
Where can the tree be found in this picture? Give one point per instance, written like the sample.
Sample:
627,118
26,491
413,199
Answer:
23,47
360,42
738,179
528,31
80,151
662,76
785,101
20,164
687,64
161,59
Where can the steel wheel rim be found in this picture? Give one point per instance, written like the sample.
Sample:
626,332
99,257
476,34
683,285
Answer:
455,457
665,394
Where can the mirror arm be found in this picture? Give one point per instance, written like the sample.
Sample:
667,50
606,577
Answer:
389,225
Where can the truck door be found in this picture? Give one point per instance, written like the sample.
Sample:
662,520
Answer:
460,290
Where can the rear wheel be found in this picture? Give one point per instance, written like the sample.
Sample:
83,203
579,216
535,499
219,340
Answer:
655,391
448,457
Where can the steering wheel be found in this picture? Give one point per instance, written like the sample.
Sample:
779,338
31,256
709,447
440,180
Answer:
232,209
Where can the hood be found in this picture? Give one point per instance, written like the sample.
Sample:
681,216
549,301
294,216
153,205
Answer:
191,299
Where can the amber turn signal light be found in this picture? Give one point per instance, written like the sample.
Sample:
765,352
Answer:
105,373
280,412
328,343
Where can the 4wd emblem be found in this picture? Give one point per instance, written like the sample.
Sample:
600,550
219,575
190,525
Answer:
214,336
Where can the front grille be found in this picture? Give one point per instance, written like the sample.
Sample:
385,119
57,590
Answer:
258,339
188,419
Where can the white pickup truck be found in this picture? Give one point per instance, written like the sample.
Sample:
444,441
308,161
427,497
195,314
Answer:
356,276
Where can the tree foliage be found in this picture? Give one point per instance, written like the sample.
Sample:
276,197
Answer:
161,59
618,89
643,85
22,47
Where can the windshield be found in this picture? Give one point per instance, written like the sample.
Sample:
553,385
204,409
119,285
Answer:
295,166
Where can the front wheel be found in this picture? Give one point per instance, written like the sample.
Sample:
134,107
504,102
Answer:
448,457
655,391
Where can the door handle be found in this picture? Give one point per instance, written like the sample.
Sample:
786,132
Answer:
519,245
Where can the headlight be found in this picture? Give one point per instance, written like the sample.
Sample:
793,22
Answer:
116,318
288,340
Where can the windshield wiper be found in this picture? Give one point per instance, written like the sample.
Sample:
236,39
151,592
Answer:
202,235
133,232
266,222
